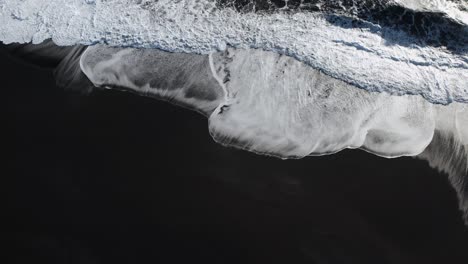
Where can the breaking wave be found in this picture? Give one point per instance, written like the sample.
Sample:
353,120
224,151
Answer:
330,36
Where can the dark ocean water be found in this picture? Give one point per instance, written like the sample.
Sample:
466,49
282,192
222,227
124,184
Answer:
117,178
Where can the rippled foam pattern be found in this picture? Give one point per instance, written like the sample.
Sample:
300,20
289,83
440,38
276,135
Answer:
274,104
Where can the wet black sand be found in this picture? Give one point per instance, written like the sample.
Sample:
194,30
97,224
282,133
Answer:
117,178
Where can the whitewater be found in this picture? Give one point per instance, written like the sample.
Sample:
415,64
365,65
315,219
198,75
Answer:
202,27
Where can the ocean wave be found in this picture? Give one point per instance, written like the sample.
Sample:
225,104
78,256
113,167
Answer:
344,45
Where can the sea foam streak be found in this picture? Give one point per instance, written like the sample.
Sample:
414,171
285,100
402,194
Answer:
389,60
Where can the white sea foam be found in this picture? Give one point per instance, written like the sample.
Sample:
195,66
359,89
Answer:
453,9
277,105
373,58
